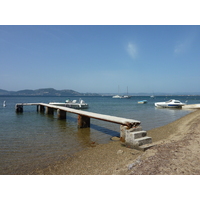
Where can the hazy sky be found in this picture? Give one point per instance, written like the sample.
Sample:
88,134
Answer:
101,58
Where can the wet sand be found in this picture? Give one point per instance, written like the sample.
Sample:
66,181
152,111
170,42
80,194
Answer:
176,151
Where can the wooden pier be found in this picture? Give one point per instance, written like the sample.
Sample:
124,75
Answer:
83,116
127,125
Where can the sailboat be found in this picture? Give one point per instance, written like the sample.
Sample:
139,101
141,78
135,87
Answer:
126,96
152,96
4,104
122,97
117,96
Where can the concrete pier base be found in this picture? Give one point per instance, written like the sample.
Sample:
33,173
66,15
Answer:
49,110
125,130
83,121
134,137
40,108
19,108
61,114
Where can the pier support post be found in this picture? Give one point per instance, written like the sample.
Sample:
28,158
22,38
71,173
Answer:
19,108
40,108
123,130
61,114
49,110
83,121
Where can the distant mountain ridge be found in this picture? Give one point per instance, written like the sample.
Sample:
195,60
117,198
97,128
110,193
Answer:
45,92
67,92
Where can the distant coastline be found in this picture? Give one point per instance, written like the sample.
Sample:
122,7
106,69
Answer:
45,92
68,92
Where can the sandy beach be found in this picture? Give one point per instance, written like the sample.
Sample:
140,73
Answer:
176,151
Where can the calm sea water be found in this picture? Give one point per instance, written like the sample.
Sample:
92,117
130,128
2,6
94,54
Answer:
32,140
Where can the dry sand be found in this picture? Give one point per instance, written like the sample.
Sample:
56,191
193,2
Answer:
176,151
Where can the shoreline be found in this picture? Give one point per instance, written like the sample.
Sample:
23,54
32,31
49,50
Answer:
174,141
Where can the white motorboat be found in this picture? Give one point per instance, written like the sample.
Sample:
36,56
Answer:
71,104
172,103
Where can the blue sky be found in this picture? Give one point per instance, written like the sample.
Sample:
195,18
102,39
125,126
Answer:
101,58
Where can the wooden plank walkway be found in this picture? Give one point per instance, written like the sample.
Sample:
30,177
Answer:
27,104
83,116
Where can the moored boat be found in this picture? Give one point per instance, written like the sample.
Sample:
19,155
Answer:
126,97
4,104
142,102
172,103
121,97
71,104
117,97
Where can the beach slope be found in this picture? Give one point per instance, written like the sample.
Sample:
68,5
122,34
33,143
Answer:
176,151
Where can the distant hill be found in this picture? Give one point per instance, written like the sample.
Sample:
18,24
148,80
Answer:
66,92
45,92
3,92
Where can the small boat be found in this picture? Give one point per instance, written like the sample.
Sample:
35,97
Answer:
117,97
121,97
126,97
172,103
4,104
71,104
142,102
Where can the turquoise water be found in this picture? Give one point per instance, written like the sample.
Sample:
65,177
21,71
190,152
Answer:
32,140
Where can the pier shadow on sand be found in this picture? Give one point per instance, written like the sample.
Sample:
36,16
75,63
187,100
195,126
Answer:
104,130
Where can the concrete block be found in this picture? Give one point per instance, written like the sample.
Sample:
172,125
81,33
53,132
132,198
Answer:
138,134
49,110
61,114
124,130
144,140
135,143
19,108
145,147
135,129
83,121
